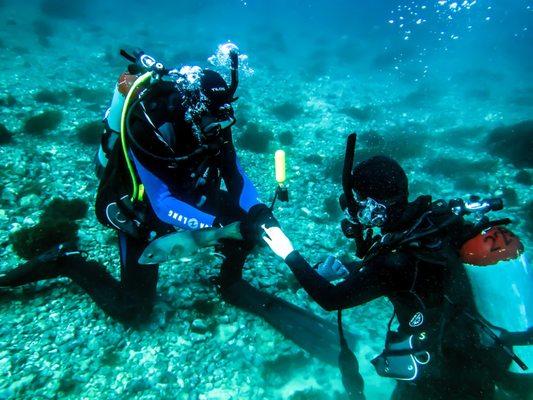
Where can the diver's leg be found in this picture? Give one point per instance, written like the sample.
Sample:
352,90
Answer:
138,281
234,252
234,256
128,300
91,276
51,264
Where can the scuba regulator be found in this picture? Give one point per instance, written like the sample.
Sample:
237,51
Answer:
475,205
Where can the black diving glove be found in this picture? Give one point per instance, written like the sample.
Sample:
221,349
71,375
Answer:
257,216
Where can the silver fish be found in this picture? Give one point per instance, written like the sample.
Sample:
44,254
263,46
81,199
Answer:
182,244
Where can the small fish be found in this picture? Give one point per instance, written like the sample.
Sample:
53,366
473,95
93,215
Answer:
182,244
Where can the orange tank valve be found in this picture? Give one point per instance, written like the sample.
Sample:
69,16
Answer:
125,82
491,246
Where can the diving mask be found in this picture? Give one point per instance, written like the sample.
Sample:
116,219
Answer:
221,119
371,213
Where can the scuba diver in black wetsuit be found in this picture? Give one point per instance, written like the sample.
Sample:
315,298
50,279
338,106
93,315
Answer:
166,148
442,349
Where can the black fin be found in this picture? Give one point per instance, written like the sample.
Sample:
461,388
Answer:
317,336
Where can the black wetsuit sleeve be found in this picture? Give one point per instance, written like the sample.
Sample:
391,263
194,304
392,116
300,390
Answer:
363,285
239,186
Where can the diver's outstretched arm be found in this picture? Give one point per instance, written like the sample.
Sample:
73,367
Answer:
359,287
518,338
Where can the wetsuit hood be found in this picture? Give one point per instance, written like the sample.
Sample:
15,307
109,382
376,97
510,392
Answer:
215,88
380,178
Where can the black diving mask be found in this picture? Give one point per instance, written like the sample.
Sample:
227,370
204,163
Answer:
221,119
371,213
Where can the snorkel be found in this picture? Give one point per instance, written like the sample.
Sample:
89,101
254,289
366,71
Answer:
234,82
368,212
347,177
221,116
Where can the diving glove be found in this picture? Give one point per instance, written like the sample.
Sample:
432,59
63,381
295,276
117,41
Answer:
332,269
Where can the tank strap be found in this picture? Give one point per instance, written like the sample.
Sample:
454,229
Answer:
488,330
391,319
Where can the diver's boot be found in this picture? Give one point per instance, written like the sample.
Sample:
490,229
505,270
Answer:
51,264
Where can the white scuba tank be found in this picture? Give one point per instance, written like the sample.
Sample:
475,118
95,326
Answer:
112,119
114,112
502,281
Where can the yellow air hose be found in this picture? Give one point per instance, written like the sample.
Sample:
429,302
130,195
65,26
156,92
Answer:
136,193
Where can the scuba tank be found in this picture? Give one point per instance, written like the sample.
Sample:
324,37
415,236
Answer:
503,293
112,121
502,282
141,62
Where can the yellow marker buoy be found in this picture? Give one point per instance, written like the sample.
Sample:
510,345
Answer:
279,161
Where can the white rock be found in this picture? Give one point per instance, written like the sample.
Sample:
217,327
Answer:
15,226
199,326
220,394
306,211
28,221
226,332
9,195
31,200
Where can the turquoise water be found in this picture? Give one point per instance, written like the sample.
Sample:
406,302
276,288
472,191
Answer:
444,87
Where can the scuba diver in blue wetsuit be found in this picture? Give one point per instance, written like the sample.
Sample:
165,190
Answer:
442,348
166,148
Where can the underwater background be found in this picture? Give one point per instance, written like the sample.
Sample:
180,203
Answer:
444,87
